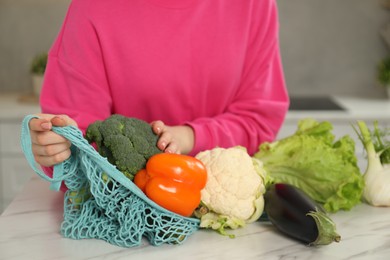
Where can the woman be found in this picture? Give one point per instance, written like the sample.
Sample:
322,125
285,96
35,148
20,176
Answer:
203,73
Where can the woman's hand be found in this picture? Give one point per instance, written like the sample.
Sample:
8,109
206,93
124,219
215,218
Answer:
174,139
48,147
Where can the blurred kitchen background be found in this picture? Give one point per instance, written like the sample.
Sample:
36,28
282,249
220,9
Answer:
329,47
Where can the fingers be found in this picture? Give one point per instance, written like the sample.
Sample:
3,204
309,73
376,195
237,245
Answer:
157,126
63,120
50,155
58,121
49,161
173,147
166,141
46,121
46,138
48,147
40,124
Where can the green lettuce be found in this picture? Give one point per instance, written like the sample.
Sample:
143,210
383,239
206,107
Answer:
313,161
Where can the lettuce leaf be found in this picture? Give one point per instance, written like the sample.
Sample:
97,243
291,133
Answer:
313,161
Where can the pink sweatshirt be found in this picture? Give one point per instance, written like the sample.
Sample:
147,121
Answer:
211,64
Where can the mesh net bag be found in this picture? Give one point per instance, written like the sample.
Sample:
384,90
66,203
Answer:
102,203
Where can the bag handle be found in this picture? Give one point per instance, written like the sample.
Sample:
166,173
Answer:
72,133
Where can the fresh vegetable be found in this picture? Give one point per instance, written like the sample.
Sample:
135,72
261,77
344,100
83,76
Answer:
381,140
76,198
233,195
377,174
311,160
295,214
126,142
173,181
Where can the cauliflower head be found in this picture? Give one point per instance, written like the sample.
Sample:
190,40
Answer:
233,195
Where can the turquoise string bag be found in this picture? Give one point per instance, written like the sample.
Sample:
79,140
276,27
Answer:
102,203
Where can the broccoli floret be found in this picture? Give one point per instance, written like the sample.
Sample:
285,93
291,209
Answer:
126,142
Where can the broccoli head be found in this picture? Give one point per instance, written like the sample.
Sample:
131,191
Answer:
126,142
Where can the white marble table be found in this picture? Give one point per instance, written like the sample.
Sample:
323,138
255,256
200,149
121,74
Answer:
29,229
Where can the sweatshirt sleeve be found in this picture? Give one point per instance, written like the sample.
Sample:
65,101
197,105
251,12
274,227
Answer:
75,81
261,104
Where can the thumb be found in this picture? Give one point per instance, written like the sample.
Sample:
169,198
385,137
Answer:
62,120
40,124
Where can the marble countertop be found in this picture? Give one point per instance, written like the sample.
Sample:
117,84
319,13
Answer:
355,108
29,229
16,106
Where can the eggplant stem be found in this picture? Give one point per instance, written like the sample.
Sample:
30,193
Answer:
326,228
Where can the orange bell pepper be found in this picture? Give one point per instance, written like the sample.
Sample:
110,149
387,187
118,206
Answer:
173,181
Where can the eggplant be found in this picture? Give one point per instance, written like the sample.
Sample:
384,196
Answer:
296,215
